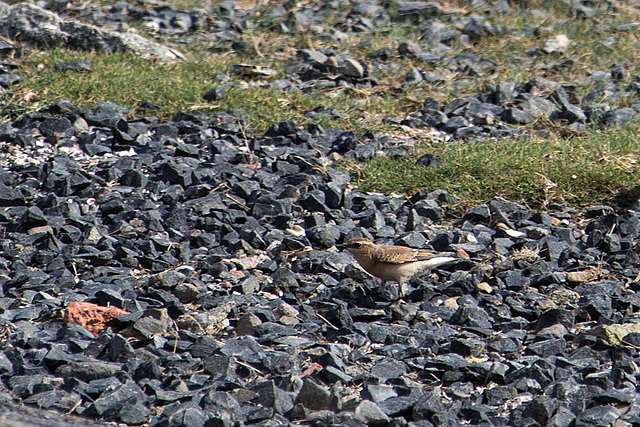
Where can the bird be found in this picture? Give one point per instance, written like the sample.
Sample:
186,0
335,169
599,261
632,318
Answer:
391,262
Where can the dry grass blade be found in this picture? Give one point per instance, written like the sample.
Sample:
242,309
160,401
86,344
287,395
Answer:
627,162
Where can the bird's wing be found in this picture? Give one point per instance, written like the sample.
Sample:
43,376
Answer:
400,254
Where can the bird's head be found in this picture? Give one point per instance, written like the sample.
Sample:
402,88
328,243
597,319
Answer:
358,245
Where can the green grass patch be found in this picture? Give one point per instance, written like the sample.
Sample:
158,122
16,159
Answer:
596,168
127,80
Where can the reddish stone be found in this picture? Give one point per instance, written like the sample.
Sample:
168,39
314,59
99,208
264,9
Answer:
462,253
94,318
311,369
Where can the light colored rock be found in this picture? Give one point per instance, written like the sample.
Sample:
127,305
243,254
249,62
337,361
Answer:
484,287
253,71
557,331
186,292
249,262
515,233
285,309
40,229
462,253
563,297
451,303
31,24
559,43
584,276
289,320
613,334
370,413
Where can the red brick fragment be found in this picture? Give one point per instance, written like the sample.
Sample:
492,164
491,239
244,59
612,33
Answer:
311,369
94,318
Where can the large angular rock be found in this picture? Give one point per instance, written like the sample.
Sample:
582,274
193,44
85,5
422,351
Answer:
31,24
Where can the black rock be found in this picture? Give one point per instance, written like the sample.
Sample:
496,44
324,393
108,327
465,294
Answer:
313,396
429,160
499,395
454,124
556,316
388,369
215,94
427,406
598,416
383,54
478,214
471,316
271,396
56,126
467,347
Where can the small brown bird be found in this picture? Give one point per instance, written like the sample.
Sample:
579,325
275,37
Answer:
390,262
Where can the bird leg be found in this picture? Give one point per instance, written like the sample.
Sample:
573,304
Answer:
401,289
382,286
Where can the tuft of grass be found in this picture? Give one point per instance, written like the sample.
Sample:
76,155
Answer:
601,166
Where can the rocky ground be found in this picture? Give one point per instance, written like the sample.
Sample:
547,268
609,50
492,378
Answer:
221,248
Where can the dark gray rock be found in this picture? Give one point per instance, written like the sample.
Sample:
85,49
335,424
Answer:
215,94
371,414
619,117
6,80
313,396
598,416
413,76
454,124
378,393
537,107
73,66
88,371
429,160
516,116
388,369
428,405
271,396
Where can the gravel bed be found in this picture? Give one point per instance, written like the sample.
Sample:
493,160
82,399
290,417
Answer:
239,309
188,272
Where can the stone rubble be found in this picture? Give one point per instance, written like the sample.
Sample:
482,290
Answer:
220,249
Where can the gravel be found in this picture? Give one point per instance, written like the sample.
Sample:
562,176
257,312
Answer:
189,272
221,251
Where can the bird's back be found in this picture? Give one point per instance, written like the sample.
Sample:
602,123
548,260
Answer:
400,254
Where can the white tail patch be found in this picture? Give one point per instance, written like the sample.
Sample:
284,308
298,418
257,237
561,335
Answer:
441,260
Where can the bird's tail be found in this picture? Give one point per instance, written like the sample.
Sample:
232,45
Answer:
441,260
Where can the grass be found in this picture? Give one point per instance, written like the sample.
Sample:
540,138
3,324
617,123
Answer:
599,167
596,167
127,80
